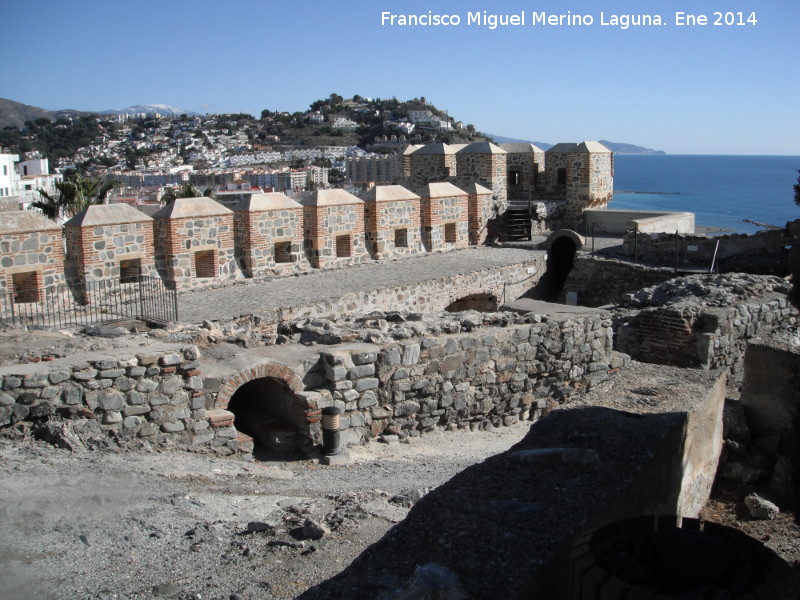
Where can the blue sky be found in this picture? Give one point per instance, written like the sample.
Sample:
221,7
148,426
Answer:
694,90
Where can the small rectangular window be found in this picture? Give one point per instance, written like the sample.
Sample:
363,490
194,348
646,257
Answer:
343,246
204,263
401,238
283,252
26,287
562,176
450,233
130,270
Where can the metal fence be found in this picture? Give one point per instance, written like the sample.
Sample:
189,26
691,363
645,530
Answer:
68,305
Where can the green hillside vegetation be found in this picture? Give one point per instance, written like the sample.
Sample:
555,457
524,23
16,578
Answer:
61,137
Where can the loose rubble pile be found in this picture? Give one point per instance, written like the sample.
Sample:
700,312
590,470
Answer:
726,289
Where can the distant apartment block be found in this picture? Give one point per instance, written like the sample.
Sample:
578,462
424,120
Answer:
380,168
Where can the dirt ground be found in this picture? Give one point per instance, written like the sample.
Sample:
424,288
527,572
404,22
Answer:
179,525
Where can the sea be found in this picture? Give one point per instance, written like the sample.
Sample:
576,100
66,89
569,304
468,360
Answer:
722,191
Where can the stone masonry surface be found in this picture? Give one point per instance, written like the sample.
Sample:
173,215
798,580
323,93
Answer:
261,297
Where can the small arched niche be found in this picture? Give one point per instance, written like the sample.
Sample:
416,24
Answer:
267,410
482,301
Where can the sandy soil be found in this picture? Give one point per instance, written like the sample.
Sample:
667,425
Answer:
179,525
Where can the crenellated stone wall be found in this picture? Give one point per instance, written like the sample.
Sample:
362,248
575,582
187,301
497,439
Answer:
431,163
269,235
392,216
334,228
31,255
110,241
484,163
444,217
481,208
194,242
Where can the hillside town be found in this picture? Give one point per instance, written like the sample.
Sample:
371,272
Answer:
357,141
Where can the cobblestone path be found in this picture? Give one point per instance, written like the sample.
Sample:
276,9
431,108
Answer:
253,297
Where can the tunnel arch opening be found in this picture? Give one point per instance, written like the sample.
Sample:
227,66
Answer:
562,246
267,410
268,406
480,301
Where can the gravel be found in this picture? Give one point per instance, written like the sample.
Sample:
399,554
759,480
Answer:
101,525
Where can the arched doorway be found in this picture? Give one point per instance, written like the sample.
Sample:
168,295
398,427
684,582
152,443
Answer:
482,301
266,409
561,246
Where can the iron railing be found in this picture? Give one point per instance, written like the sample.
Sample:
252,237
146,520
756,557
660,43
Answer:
73,304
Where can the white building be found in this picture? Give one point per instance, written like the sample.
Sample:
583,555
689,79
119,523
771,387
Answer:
8,175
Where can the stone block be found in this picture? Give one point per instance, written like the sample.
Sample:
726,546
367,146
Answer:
172,427
359,371
368,383
57,377
170,360
171,384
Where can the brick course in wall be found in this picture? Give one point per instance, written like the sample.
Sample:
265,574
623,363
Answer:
31,252
194,241
109,240
392,217
269,235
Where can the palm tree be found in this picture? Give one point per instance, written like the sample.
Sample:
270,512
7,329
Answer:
74,194
187,190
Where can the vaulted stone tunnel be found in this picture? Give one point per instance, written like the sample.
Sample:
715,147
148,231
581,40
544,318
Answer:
561,246
268,407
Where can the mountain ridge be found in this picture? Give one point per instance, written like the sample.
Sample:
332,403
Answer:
616,147
15,114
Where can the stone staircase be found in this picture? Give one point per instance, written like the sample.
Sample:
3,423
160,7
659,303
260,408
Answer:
518,221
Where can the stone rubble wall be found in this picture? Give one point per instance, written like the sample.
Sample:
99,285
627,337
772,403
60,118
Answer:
427,168
762,252
488,377
705,337
145,400
39,251
96,251
600,281
256,234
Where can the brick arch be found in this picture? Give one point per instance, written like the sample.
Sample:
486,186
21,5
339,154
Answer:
270,368
576,238
495,290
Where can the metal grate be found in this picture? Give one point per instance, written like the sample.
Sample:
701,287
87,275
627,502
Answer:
67,305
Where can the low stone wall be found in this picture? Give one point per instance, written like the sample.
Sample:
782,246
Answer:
433,295
149,398
645,221
491,376
602,281
690,335
763,252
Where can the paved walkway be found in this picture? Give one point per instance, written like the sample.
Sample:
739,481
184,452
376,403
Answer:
254,297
